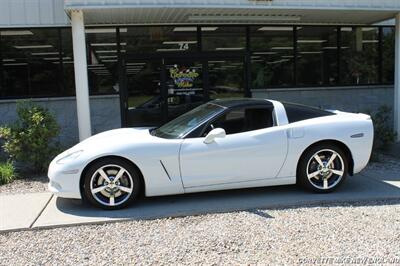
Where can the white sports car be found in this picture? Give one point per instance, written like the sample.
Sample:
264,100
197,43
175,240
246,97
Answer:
223,144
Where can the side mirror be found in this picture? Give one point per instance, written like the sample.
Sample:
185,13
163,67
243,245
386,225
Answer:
213,134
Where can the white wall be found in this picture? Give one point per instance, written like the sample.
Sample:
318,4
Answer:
287,4
29,13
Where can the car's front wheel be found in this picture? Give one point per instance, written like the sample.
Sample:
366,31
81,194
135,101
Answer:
322,168
111,183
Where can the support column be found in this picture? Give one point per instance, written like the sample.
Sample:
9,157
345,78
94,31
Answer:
81,76
397,80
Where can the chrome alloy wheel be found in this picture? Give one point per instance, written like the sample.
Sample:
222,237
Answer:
111,185
325,169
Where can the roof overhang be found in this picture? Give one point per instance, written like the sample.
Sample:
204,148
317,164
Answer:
146,12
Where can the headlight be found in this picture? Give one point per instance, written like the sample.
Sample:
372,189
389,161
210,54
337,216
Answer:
69,157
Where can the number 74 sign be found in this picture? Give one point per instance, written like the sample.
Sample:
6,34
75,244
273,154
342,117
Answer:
183,46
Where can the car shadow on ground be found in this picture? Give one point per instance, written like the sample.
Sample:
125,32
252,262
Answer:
362,189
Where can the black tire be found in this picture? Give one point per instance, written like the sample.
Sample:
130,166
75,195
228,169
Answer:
316,183
130,177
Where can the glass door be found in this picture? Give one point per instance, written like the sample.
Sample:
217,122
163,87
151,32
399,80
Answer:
144,103
161,89
184,85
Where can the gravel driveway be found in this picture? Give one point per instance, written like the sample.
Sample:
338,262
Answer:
370,231
366,233
26,185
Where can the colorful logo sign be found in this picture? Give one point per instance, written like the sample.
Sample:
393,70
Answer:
183,78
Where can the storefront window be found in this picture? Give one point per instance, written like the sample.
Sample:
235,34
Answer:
226,78
30,62
223,38
38,62
160,39
68,79
388,41
103,60
316,56
359,55
272,56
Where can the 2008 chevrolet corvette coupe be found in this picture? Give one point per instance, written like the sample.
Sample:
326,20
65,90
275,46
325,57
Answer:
223,144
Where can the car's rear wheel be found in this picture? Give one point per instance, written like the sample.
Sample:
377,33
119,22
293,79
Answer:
322,168
111,183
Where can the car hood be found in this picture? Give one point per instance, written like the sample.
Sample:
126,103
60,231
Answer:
112,139
110,142
116,136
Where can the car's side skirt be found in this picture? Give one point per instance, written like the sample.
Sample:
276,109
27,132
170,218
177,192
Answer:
246,184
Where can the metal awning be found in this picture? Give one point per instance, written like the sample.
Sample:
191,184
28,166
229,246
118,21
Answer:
145,12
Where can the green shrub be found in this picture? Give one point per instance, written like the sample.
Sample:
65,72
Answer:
384,135
30,139
7,173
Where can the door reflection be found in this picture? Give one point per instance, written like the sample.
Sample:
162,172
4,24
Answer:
144,100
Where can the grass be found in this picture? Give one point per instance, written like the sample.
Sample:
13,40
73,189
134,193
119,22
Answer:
7,173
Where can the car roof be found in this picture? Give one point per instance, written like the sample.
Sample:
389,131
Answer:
239,102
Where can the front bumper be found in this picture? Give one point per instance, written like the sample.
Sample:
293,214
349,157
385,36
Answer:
64,181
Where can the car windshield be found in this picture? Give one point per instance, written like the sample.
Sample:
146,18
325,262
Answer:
185,123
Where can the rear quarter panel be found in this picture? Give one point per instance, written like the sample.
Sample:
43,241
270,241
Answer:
340,127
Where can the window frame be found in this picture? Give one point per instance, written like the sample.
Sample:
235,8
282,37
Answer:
206,124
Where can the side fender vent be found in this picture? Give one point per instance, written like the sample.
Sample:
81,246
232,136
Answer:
359,135
165,169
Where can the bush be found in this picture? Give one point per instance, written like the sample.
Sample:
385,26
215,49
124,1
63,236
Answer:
7,173
384,135
30,139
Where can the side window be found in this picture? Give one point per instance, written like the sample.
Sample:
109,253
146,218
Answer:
297,113
233,122
243,120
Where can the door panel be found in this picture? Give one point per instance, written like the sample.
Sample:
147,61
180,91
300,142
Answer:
238,157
